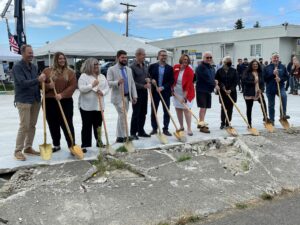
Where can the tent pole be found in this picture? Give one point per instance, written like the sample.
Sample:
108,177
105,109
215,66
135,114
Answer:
49,58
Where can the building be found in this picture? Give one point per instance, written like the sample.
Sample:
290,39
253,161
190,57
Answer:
250,43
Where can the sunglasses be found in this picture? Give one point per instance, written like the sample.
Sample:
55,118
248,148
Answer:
209,57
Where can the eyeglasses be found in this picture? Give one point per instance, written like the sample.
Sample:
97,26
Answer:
209,57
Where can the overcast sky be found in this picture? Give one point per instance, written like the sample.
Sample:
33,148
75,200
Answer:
48,20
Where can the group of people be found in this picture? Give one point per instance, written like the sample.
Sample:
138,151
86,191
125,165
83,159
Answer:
131,85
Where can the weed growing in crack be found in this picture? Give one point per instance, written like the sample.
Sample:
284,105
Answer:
188,219
184,158
122,149
245,165
266,196
241,206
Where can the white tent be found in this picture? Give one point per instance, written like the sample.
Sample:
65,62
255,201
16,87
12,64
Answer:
95,41
6,55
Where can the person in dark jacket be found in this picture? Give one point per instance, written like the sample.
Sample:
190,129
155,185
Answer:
205,85
227,78
27,101
290,81
240,73
162,73
253,81
273,73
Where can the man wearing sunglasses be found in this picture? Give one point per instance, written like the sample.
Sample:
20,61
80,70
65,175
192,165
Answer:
205,84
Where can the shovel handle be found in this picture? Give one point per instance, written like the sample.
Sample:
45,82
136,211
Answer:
124,109
280,100
154,110
165,105
185,106
224,108
263,107
103,119
237,108
44,112
63,115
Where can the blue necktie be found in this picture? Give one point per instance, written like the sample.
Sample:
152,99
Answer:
124,75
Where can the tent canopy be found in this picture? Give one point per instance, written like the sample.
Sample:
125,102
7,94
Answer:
6,55
97,42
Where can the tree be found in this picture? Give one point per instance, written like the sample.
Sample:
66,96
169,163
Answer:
256,25
239,24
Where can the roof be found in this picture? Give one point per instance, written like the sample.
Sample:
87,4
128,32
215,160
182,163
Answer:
95,41
230,36
6,55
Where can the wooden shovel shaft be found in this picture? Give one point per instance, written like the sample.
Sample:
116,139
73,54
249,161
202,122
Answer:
280,100
263,107
224,108
166,107
185,106
63,116
237,108
44,113
154,110
103,119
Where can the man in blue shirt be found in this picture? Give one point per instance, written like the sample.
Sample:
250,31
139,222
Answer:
273,73
162,73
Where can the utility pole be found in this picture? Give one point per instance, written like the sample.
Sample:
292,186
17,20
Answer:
127,11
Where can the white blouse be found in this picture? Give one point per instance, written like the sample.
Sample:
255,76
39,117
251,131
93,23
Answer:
88,98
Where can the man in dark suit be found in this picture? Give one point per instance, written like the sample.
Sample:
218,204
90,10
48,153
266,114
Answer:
162,73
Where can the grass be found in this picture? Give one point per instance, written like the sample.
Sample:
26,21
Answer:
245,165
266,196
163,223
241,206
188,219
122,149
184,158
9,87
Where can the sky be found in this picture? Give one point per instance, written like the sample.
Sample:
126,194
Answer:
49,20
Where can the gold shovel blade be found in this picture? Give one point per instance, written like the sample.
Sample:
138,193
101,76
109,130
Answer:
269,127
253,131
180,136
46,151
129,146
232,131
162,138
77,152
285,123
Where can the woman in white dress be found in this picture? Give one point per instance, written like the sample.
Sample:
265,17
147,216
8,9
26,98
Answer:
91,85
183,88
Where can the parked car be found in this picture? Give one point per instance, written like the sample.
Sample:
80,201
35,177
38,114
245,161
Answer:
105,66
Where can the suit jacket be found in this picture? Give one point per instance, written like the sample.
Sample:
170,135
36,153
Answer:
168,79
113,76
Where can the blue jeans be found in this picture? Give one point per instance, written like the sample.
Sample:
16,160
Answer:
292,83
271,103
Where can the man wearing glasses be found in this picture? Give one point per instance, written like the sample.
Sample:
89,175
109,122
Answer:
205,84
162,73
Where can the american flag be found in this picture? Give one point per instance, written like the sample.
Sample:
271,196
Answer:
14,47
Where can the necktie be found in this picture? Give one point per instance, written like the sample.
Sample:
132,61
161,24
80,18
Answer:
124,75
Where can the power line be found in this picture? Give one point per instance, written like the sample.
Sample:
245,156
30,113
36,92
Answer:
127,11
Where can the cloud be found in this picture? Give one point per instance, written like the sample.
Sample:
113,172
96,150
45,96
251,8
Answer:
106,5
160,7
119,17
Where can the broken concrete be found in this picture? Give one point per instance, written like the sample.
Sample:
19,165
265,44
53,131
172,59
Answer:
163,189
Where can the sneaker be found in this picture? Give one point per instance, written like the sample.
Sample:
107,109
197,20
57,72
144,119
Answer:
144,135
205,130
167,133
55,149
202,124
222,126
153,132
120,140
20,156
31,151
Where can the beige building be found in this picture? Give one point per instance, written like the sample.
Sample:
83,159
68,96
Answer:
251,43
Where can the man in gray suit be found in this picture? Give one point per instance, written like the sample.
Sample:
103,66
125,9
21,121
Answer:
120,76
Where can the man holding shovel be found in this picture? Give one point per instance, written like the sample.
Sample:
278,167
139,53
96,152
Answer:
273,74
120,76
27,101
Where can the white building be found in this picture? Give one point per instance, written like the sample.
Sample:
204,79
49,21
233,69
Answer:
250,43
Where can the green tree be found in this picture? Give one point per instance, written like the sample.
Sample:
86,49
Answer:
256,25
239,24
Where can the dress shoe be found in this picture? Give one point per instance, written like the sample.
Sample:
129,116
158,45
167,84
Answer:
31,151
286,117
20,156
153,132
205,130
167,133
56,149
134,137
120,140
144,135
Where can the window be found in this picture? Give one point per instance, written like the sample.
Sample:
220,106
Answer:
255,50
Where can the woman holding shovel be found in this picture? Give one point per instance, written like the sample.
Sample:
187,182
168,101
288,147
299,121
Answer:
253,87
227,78
91,84
61,78
183,89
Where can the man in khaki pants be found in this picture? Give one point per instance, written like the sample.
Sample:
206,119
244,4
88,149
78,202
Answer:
27,100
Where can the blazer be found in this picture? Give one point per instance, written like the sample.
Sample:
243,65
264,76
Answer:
168,79
113,76
249,83
269,77
187,81
227,80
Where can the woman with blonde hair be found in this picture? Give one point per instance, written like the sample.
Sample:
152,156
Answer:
92,85
60,76
183,89
295,72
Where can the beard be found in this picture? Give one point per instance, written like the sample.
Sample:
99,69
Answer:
123,63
